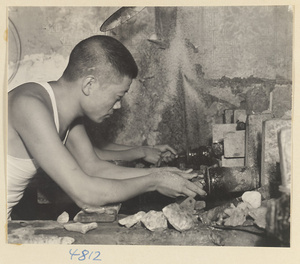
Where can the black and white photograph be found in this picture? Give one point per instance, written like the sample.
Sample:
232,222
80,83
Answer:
149,126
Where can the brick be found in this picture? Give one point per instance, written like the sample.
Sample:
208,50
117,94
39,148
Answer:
239,115
233,162
84,217
270,152
219,131
228,116
285,153
234,144
253,139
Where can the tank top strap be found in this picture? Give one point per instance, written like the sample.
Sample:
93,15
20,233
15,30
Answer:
49,89
66,136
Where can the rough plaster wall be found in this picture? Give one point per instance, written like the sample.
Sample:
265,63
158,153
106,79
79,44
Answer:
47,35
261,46
250,45
205,60
241,41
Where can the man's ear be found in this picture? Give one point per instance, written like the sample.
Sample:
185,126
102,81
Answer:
87,85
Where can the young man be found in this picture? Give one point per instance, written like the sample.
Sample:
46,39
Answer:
45,130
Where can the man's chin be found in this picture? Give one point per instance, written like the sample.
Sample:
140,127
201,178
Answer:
101,119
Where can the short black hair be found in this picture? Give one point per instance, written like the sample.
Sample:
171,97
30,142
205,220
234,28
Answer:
100,53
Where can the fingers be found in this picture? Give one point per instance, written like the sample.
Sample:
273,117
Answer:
164,148
171,149
158,163
199,184
193,188
188,193
152,155
172,169
167,156
187,176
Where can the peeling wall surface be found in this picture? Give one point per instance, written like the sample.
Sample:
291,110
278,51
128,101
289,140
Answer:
194,62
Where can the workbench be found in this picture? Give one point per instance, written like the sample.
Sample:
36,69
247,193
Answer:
113,234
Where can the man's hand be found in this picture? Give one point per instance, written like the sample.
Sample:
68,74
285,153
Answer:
173,184
183,173
159,153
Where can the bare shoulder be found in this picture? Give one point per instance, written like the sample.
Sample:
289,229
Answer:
28,101
31,89
27,93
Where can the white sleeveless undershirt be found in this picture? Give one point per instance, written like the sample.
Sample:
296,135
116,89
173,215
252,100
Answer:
21,171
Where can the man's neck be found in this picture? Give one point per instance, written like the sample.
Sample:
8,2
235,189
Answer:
66,95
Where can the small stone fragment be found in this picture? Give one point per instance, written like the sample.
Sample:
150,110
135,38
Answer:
248,222
211,215
81,228
63,218
220,220
253,198
179,219
244,206
237,217
199,205
155,221
188,204
131,220
259,216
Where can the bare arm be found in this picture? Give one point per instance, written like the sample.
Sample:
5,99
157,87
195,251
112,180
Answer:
34,123
80,146
129,154
114,146
151,154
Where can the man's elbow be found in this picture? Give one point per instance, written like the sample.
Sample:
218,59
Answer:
88,200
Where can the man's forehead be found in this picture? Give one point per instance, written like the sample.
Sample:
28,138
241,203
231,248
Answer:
125,83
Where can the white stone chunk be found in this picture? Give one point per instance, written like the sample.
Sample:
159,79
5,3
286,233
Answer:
179,219
253,198
81,228
63,218
155,221
131,220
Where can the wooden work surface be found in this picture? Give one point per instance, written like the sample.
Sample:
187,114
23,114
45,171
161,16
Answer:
113,234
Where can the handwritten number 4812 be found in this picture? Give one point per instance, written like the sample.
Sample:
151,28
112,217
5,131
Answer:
85,255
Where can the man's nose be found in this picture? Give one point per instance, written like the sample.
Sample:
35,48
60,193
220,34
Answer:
117,105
